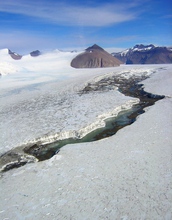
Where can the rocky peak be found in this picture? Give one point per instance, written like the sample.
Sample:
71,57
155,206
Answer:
94,47
14,55
145,54
143,47
94,57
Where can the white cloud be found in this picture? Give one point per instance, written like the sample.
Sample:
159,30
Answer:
66,14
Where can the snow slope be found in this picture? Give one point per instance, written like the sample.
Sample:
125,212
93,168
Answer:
47,62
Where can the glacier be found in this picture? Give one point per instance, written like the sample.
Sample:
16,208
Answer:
125,176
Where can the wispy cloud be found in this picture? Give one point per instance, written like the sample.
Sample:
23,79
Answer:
66,14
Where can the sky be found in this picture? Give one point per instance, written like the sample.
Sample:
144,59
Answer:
76,24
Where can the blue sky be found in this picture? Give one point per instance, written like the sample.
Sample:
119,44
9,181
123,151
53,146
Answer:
28,25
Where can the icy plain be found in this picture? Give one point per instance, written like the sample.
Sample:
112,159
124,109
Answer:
126,176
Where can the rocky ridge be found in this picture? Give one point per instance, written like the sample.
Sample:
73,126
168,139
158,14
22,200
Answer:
17,56
145,54
14,55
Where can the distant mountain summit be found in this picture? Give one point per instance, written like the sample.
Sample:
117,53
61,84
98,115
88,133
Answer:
141,47
95,57
35,53
145,54
14,55
17,56
94,47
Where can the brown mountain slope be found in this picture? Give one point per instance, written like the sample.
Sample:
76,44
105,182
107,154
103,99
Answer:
95,57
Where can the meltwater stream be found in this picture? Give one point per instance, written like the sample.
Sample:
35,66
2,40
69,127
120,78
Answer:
129,87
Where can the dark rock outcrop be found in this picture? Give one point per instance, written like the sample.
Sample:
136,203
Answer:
35,53
14,55
145,54
95,57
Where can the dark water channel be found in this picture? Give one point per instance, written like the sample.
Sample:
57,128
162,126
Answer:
129,87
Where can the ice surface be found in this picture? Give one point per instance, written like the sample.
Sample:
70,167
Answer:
126,176
34,107
159,79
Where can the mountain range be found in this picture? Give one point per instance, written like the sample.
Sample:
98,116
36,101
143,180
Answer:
92,57
145,54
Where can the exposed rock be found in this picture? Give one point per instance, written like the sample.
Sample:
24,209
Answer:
145,54
14,55
94,57
35,53
15,159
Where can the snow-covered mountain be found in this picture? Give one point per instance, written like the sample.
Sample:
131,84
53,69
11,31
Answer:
145,54
36,61
50,62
